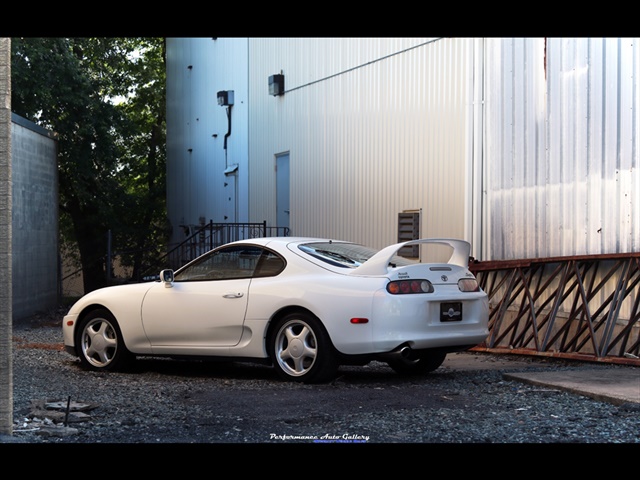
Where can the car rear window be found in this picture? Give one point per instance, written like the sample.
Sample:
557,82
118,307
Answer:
346,255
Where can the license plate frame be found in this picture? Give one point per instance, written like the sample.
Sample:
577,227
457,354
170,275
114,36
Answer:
451,312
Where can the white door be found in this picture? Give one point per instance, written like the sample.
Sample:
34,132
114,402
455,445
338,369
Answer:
205,306
282,190
195,315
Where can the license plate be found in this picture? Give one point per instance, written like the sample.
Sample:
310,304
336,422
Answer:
451,312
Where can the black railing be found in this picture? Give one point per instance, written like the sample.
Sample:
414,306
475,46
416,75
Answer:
200,240
207,237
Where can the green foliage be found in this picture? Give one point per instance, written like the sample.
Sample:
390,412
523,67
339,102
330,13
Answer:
105,100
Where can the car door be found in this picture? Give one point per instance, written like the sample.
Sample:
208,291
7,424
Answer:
205,306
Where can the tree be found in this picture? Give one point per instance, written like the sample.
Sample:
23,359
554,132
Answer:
105,99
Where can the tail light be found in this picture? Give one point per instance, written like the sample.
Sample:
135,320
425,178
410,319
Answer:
468,285
401,287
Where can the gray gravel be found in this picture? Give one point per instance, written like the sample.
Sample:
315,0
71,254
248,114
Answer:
168,401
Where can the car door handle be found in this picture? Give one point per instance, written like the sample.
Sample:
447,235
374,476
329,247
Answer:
233,295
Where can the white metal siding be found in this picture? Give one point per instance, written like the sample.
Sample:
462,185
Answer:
373,127
378,126
562,120
197,68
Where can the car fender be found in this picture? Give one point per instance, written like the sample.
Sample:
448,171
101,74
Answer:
334,304
124,302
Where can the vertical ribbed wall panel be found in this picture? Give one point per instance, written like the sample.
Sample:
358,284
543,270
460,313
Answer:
373,127
197,188
562,122
377,126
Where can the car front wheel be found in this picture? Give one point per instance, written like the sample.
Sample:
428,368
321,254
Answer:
301,350
418,364
100,343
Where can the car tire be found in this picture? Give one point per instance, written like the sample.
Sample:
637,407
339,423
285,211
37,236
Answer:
301,350
100,344
418,364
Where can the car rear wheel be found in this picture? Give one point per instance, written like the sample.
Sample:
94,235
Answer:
418,364
301,350
100,343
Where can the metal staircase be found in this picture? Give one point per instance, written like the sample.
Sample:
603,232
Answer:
208,236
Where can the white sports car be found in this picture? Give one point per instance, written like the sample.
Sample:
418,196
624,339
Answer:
304,305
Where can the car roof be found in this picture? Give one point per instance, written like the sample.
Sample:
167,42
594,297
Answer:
376,265
283,241
287,246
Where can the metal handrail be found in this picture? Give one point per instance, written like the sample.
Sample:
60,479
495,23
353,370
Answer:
209,236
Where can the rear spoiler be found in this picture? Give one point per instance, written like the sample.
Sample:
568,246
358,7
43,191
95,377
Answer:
378,264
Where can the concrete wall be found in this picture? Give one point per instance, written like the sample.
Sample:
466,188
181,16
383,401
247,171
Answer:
35,218
6,365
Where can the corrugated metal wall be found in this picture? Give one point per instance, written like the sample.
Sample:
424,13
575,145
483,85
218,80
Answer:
373,127
376,126
562,123
525,146
197,68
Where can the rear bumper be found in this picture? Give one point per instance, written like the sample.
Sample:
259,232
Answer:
417,323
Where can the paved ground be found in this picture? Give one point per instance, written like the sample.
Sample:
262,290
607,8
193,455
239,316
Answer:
614,385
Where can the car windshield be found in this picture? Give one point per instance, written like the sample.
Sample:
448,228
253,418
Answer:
347,255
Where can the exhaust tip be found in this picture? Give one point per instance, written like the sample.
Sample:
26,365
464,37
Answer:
405,352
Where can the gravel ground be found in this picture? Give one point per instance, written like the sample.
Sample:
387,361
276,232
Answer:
168,401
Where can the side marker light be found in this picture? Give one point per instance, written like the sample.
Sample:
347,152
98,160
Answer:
359,320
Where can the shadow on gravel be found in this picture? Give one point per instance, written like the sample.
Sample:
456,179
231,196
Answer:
297,403
351,375
247,389
203,369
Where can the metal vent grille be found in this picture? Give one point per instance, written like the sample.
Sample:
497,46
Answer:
409,229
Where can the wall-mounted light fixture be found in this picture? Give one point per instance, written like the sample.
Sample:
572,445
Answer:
225,98
276,84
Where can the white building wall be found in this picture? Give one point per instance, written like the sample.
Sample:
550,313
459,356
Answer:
197,188
525,146
562,123
373,127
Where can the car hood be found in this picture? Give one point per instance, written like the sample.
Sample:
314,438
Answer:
379,263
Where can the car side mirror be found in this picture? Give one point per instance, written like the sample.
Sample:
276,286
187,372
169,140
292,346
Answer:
166,277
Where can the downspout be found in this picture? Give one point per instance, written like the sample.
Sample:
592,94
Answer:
226,165
227,135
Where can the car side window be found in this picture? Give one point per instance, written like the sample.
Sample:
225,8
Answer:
223,264
269,265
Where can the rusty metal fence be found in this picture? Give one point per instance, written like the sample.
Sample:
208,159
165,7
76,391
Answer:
580,307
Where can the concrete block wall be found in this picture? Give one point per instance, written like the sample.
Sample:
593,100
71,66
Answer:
5,181
6,362
35,219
